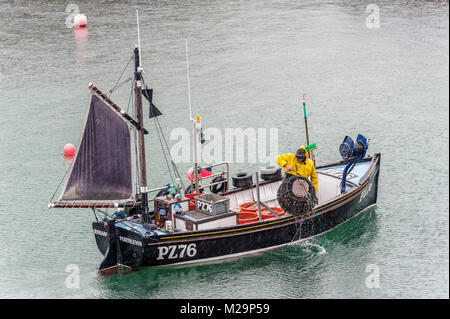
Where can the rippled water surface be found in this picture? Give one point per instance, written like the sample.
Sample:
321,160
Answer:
250,63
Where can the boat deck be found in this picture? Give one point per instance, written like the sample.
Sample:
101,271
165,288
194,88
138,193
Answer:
329,180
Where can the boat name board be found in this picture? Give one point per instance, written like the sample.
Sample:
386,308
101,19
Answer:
176,251
130,241
100,232
121,238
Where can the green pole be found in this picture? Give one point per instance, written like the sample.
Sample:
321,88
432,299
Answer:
311,154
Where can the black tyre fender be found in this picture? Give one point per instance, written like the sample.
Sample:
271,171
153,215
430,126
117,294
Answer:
243,179
218,188
241,176
269,170
188,190
270,173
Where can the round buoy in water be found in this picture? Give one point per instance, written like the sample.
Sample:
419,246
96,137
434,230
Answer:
69,149
80,20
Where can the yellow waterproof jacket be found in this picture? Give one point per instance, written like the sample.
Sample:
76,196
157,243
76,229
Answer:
305,169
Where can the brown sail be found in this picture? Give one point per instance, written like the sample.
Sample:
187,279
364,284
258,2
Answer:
102,172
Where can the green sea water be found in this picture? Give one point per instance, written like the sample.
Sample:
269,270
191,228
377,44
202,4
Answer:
381,71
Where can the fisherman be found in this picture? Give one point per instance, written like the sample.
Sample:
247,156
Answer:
298,164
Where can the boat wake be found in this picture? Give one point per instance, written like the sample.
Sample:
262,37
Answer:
318,249
312,248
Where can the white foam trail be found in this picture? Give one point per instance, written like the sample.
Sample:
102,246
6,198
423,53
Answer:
322,249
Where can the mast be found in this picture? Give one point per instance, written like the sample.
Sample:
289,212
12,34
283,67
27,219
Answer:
195,131
310,152
141,150
195,123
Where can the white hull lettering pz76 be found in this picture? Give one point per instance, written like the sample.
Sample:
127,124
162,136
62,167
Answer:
176,251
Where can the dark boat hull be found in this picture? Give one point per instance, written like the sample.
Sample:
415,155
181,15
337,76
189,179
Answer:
132,250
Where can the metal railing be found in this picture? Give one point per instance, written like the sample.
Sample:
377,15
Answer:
225,171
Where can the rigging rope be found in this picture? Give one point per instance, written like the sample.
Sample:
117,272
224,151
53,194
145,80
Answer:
130,99
164,151
64,177
160,132
164,138
123,71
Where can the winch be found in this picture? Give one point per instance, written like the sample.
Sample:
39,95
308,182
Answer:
352,152
350,148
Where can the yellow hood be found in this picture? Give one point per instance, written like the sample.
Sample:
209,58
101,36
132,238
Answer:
307,154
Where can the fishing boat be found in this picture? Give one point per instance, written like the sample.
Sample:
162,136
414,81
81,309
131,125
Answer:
137,227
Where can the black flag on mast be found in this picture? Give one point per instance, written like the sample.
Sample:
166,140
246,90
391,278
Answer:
153,112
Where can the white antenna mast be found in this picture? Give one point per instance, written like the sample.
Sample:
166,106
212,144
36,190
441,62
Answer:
195,125
188,82
139,38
